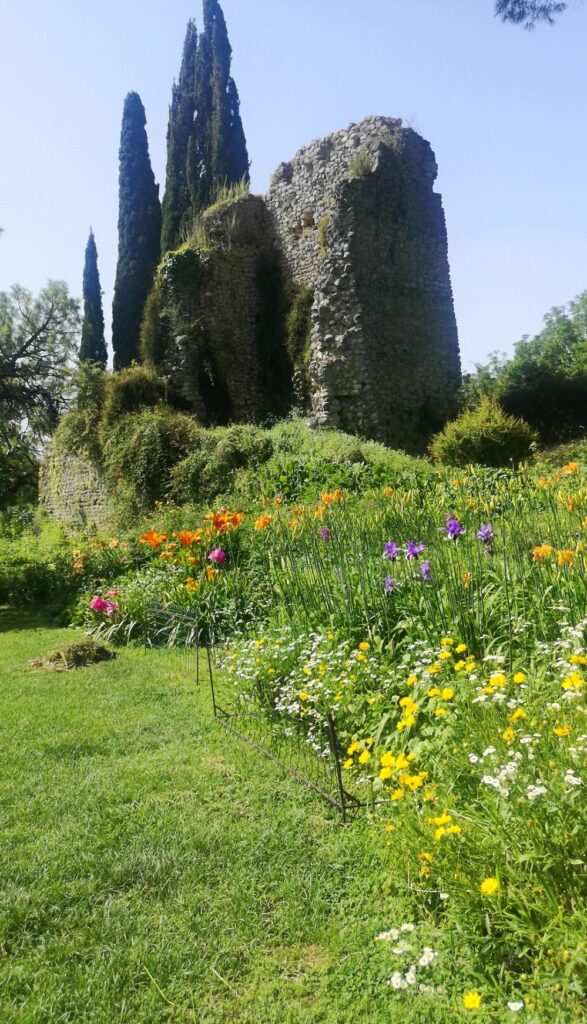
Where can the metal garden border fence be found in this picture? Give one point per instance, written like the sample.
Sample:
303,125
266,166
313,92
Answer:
172,629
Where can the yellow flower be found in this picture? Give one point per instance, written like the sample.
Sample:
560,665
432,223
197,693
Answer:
433,669
562,730
364,646
388,492
519,677
578,659
444,655
447,641
425,871
304,695
459,666
508,734
434,692
441,819
461,648
398,794
348,763
440,712
390,828
565,557
498,679
365,757
472,1000
425,856
489,886
518,714
542,552
386,760
408,705
411,680
385,773
574,681
355,745
448,693
453,830
571,467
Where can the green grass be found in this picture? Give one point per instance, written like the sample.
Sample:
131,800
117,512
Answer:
153,869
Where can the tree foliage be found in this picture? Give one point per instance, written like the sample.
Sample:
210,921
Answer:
529,12
139,233
38,342
546,381
176,201
93,344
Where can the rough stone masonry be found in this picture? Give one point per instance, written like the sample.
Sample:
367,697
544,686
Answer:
359,222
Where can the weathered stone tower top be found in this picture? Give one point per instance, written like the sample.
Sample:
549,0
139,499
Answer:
359,222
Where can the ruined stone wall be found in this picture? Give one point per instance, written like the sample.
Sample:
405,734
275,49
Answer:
72,491
359,222
226,293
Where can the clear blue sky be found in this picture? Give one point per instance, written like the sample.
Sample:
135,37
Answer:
505,111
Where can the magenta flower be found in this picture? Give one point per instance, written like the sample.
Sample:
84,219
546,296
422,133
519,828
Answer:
218,556
325,533
98,604
426,571
453,528
414,550
390,550
389,584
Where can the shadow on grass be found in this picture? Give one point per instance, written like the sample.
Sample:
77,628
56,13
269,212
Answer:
12,619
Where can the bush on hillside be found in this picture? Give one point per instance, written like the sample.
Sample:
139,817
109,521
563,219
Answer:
79,430
128,391
140,452
486,435
210,470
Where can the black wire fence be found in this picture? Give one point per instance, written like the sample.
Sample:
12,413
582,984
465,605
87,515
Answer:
189,652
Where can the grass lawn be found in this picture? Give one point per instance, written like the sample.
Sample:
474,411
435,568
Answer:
154,869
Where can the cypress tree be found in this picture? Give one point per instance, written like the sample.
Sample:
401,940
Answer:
93,344
176,201
217,151
139,233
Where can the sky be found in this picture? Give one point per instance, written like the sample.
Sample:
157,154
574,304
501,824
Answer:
505,111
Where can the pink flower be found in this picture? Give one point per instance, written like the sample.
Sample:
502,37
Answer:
111,608
98,604
218,556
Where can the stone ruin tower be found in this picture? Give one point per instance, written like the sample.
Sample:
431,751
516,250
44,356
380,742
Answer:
352,221
360,224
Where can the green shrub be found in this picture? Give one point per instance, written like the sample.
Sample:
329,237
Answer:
79,430
486,435
360,165
210,471
130,390
140,453
155,328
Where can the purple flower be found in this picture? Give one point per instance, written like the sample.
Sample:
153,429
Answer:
426,571
390,550
453,528
218,556
486,533
111,609
325,533
414,550
389,584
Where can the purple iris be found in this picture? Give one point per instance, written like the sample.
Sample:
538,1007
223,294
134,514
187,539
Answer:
389,584
391,550
325,533
486,533
453,528
426,571
414,550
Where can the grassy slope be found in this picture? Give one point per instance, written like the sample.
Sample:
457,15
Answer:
152,869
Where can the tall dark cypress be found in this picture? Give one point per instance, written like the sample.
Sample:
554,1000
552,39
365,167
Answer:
139,233
218,150
93,344
176,201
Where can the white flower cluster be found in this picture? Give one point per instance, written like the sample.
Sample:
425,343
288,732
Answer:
401,980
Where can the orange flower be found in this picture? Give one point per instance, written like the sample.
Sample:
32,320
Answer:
542,552
278,502
544,482
571,467
263,522
153,539
187,538
565,557
569,504
319,511
211,572
225,521
388,492
191,584
467,577
336,495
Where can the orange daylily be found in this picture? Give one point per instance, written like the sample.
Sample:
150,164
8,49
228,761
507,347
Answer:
225,521
263,522
153,539
186,537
